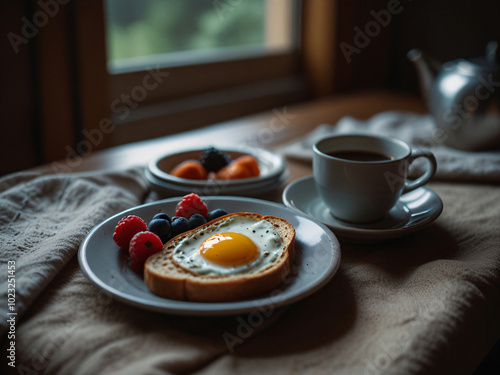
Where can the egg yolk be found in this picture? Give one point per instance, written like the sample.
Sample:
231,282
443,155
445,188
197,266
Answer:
229,249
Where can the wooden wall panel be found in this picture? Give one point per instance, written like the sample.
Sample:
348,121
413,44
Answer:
57,93
19,135
318,44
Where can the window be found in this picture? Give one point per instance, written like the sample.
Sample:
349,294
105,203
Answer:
92,66
174,65
139,33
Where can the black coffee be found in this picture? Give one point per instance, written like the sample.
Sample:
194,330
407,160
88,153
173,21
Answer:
359,155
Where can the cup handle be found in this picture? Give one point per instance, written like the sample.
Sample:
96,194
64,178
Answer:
422,180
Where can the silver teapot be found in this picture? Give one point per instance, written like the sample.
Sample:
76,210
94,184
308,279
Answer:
463,97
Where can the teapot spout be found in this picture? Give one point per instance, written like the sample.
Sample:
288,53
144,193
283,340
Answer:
427,68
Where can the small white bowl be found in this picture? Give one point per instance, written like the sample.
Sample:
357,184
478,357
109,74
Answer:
271,167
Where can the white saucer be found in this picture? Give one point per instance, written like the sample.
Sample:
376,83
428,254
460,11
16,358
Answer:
165,188
317,258
412,212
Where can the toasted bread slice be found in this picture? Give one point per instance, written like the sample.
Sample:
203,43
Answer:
166,278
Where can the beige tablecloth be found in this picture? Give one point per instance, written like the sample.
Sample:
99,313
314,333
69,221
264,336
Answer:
426,303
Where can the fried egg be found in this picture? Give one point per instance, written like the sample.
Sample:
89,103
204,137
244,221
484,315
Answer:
239,244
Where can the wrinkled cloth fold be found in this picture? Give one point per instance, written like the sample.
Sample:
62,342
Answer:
423,304
64,324
419,132
44,218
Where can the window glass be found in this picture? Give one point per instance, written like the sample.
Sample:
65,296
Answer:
139,32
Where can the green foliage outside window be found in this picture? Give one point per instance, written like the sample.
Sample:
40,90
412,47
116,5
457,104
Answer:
147,27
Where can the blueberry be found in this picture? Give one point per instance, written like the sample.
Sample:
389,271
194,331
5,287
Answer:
196,220
160,227
165,239
216,213
163,216
179,225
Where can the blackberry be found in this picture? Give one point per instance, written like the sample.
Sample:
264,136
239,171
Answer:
213,159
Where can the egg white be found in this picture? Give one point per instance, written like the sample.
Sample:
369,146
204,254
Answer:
261,232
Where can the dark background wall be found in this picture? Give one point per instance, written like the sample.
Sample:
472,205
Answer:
18,120
446,29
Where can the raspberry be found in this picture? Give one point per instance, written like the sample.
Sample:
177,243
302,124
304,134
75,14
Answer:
137,267
213,160
126,229
189,205
142,246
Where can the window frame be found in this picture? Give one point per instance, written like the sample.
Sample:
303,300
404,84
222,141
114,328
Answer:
71,100
208,76
193,95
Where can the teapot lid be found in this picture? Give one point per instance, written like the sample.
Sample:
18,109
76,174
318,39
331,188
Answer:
491,60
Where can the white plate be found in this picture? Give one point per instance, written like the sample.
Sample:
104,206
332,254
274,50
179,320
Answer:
221,187
412,212
317,258
271,167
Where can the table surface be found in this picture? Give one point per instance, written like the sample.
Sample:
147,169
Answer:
268,130
280,125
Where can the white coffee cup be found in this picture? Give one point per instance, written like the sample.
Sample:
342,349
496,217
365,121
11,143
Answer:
361,177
